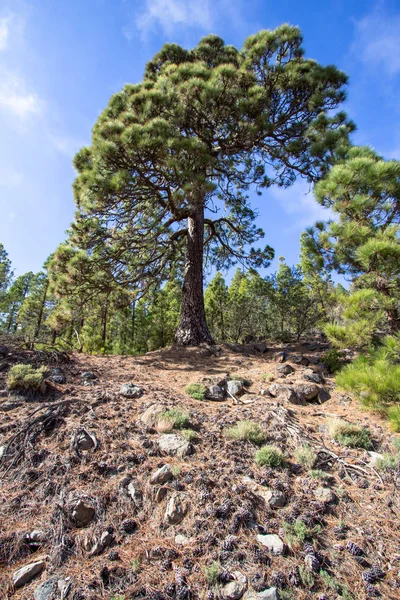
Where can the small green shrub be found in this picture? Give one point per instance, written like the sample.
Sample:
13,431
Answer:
178,418
333,360
269,456
396,443
297,532
349,435
388,462
267,377
319,474
393,415
306,457
306,577
25,377
247,430
196,391
189,434
329,581
212,573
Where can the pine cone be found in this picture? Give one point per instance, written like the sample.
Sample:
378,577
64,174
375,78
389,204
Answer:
257,581
340,532
308,548
113,555
354,549
372,575
278,579
169,590
372,591
228,543
261,556
128,526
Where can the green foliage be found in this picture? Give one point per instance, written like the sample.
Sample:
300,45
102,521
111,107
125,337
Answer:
388,462
212,573
319,474
296,533
396,443
189,434
333,360
329,580
25,377
269,456
247,430
393,414
180,419
196,391
305,456
348,434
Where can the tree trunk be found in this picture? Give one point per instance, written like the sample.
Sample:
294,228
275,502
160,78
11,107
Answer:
192,329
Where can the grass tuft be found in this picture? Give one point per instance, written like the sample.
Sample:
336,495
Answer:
212,573
179,419
246,430
296,533
25,377
269,456
196,391
349,435
306,457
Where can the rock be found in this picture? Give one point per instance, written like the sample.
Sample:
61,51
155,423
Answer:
181,540
2,451
27,573
299,359
159,494
284,393
64,587
323,395
235,387
59,379
48,590
10,406
86,440
324,494
37,536
313,346
284,370
215,392
276,499
135,493
279,357
162,475
235,589
220,380
269,594
310,375
83,513
130,390
106,539
273,542
308,391
175,445
151,415
262,348
3,350
374,458
88,376
176,510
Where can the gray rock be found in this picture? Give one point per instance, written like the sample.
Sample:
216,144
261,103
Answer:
86,440
262,348
106,539
324,494
162,475
215,392
27,573
83,513
48,590
308,391
284,370
310,375
3,350
235,589
269,594
284,393
175,445
37,536
176,510
151,415
235,387
299,359
130,390
374,458
277,499
280,357
273,542
7,406
323,395
181,540
59,379
135,493
88,376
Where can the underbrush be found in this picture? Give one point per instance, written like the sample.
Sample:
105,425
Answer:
306,457
25,377
247,430
196,391
348,434
269,456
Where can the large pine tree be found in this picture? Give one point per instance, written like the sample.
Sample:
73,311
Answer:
172,159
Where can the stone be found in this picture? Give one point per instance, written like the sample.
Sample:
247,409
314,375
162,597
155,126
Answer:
135,493
299,359
262,348
181,540
235,387
280,357
162,475
106,539
374,458
130,390
59,379
284,393
269,594
2,451
48,590
176,510
324,494
27,573
310,375
83,513
86,440
235,589
175,445
215,392
284,370
276,499
3,350
88,376
160,494
323,395
273,542
151,415
37,536
308,391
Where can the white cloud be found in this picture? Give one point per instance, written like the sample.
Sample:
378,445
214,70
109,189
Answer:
4,32
169,14
66,144
377,40
299,204
15,97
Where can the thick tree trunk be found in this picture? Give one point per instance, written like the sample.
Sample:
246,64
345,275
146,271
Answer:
192,329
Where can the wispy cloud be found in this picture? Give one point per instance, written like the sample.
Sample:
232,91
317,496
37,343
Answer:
66,144
15,96
168,14
4,31
299,204
377,40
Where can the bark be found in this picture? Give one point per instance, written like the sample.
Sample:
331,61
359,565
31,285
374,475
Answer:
192,329
392,314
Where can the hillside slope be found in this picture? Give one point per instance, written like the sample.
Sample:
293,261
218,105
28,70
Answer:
108,500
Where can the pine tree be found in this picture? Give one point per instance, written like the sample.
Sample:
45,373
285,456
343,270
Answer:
216,300
13,300
189,141
5,276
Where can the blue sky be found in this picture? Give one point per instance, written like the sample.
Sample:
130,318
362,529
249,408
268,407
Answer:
61,61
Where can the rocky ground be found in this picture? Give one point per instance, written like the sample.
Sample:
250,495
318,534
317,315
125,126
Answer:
101,498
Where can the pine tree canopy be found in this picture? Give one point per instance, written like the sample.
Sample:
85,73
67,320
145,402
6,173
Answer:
172,159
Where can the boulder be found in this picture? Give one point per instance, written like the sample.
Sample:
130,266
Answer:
285,393
276,498
176,510
27,573
308,391
161,476
215,392
235,589
324,494
83,513
135,493
280,357
151,415
262,348
235,387
284,370
272,542
48,590
130,390
310,375
299,359
269,594
175,445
